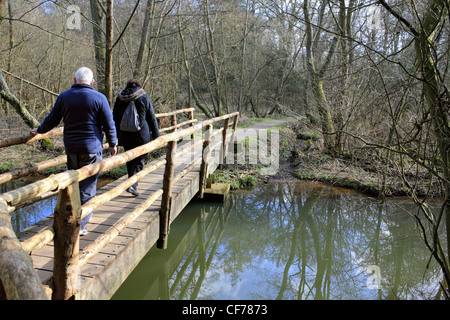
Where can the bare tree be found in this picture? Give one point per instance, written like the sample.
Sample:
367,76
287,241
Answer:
317,75
426,36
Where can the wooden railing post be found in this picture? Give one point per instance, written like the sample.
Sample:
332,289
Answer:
224,142
236,117
205,154
191,118
164,214
233,132
66,243
173,122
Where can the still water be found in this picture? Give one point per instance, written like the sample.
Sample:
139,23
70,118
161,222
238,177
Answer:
289,240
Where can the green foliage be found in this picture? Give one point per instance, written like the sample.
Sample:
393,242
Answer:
237,179
6,166
247,181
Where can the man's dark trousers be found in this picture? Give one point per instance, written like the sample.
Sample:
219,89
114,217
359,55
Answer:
88,187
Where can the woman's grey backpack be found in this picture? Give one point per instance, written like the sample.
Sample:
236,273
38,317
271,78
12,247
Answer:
130,119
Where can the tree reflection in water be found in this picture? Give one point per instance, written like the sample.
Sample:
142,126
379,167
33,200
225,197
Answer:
289,240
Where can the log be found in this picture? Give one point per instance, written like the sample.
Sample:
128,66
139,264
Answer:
115,230
34,200
191,122
38,241
34,167
20,281
116,191
160,115
27,138
66,224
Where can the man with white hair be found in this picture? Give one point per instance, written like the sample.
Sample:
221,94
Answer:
84,75
86,115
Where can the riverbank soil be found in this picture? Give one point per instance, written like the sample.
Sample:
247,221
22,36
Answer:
302,156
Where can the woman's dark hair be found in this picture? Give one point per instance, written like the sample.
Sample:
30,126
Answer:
132,83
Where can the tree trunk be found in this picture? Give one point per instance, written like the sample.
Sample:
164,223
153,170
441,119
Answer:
191,89
326,120
99,42
109,52
437,106
144,36
424,43
20,108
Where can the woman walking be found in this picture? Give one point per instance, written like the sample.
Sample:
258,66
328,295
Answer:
146,128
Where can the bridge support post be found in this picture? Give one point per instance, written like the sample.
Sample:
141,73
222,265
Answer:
191,118
173,122
224,142
164,214
66,243
205,155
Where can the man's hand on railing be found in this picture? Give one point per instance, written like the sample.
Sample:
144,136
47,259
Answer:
112,151
34,131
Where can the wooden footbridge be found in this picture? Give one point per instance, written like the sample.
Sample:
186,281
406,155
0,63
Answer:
49,260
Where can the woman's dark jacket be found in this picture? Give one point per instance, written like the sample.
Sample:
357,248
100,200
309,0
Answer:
147,118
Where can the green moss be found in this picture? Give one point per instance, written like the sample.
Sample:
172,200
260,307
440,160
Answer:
46,144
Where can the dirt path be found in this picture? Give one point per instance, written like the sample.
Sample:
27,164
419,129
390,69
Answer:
269,124
253,130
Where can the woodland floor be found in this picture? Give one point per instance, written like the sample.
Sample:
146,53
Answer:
302,158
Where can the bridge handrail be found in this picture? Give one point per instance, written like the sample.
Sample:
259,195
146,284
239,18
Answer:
28,137
50,163
61,182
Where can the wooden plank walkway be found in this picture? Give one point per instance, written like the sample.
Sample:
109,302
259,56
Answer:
106,271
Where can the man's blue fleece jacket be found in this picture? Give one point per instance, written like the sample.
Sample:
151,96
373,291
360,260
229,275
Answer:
86,113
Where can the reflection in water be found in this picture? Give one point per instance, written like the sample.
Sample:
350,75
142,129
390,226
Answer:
30,214
33,213
289,240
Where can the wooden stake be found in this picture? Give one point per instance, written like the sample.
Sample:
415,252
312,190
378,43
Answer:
28,137
164,214
173,122
205,155
67,235
191,118
224,142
